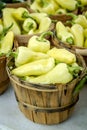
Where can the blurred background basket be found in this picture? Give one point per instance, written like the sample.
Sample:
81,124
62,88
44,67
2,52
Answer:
45,104
4,79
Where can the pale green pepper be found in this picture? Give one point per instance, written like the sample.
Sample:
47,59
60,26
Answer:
6,43
83,2
8,20
46,6
29,24
63,34
59,74
25,55
41,20
39,43
62,55
1,28
69,4
85,43
78,33
81,19
38,67
19,13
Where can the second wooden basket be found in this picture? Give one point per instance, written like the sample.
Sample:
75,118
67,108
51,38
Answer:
4,79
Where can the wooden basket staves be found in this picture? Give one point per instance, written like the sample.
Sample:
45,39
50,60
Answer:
4,79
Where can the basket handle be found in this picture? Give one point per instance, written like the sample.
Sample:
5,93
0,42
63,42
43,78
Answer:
82,52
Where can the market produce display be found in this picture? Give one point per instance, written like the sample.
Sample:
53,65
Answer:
47,69
25,22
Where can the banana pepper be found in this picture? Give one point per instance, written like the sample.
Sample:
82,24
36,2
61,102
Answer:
69,5
25,55
41,20
63,34
83,2
38,67
59,74
8,20
19,13
29,25
78,33
6,43
62,55
81,19
46,6
39,43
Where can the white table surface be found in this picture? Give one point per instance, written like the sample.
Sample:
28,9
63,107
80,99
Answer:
11,117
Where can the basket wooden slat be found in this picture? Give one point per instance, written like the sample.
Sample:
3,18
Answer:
4,79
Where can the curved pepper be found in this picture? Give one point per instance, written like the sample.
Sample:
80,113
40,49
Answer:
81,19
62,55
7,43
69,5
1,26
77,31
38,67
83,2
41,20
46,6
63,34
59,74
39,43
8,20
25,55
29,25
19,13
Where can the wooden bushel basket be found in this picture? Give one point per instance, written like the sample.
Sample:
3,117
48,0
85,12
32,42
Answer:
45,104
4,79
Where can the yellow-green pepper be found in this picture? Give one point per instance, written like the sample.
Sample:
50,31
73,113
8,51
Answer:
63,34
69,4
81,19
59,74
78,33
47,6
25,55
7,43
39,43
19,13
62,55
38,67
29,24
41,20
8,20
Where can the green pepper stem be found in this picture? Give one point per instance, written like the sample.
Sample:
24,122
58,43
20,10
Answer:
26,15
42,36
80,85
70,40
12,54
72,15
5,30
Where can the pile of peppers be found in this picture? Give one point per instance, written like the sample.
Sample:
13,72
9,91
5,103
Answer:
25,22
39,63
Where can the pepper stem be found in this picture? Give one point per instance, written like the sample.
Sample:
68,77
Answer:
72,15
42,36
26,15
